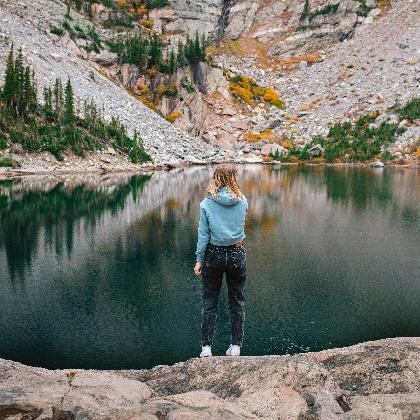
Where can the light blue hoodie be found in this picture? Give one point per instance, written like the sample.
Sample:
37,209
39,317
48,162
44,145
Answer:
222,221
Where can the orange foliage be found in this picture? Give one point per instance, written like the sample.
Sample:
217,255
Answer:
287,144
270,95
309,58
152,72
142,88
418,152
247,89
122,4
147,23
264,135
172,117
243,93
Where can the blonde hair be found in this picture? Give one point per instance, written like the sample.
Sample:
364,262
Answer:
225,176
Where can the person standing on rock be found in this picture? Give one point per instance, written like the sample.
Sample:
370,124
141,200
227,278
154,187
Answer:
220,250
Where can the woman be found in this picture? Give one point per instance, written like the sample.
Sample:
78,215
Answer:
220,250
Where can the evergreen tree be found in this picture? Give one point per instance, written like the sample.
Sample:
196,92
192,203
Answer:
172,62
27,94
155,51
48,97
181,59
69,104
9,90
197,48
203,48
58,97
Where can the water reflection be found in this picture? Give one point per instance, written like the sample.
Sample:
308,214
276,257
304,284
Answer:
97,271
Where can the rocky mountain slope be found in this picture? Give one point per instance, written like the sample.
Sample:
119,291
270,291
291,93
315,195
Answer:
27,24
371,70
277,74
373,380
330,61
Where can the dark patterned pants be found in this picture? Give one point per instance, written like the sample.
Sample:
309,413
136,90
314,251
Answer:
232,261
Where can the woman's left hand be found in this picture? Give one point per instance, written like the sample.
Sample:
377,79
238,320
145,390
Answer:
197,269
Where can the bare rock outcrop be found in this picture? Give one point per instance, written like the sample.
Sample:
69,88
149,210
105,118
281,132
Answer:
372,380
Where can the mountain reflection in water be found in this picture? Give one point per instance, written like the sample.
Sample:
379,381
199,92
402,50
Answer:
96,271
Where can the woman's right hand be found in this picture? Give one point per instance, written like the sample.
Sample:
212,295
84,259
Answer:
197,269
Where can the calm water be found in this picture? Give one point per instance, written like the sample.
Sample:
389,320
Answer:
96,272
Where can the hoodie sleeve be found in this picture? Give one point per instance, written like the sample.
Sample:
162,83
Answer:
203,233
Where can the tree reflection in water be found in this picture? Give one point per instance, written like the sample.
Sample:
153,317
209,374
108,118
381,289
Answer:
97,271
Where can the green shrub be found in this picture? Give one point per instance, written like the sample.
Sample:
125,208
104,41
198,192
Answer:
357,142
363,9
187,85
410,111
78,28
8,162
3,142
328,9
66,25
56,31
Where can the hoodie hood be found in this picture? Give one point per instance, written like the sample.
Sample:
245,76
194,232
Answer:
225,198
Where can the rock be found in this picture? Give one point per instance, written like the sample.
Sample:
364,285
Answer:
104,58
393,119
377,164
303,64
372,380
272,148
225,139
194,160
316,150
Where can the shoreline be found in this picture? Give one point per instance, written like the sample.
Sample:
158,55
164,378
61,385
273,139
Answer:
10,173
372,380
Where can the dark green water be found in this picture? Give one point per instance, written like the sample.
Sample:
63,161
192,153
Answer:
96,272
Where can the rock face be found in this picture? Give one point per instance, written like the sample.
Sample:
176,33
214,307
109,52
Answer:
373,380
284,26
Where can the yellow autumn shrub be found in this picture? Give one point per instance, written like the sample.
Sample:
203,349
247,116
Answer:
418,152
147,23
287,144
243,93
122,3
173,116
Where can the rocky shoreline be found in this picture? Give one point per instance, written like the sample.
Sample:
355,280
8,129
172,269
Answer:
7,173
372,380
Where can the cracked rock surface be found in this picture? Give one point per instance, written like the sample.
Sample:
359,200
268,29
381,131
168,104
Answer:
372,380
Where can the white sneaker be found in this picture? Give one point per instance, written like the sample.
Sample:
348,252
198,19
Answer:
205,351
233,350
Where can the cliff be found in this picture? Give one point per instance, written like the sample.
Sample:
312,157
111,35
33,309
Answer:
372,380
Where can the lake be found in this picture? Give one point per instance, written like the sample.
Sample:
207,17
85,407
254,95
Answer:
97,271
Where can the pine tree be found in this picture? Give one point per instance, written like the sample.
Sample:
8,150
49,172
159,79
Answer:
58,97
203,48
197,47
155,52
9,90
172,62
69,104
181,59
48,107
27,94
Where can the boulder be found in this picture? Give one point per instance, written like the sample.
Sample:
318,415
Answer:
272,148
225,139
104,58
377,164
